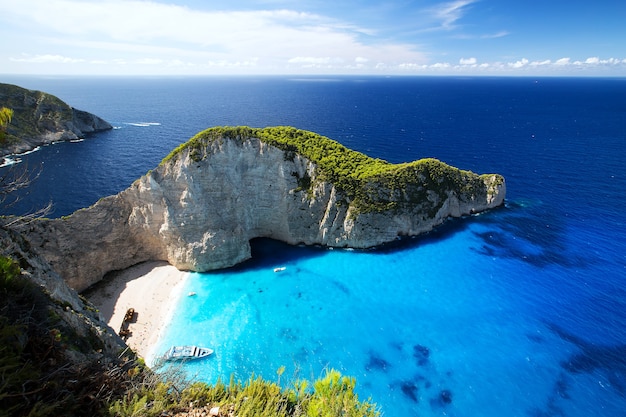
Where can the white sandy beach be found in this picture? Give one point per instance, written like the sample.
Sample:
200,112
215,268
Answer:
152,289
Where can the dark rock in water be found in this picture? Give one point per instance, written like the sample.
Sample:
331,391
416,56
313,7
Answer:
581,363
421,351
443,399
287,333
410,390
560,387
445,396
376,362
592,356
421,354
609,359
341,287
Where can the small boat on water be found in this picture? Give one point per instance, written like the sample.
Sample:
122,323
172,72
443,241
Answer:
280,269
176,353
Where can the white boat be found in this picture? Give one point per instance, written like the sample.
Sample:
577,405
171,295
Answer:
280,269
176,353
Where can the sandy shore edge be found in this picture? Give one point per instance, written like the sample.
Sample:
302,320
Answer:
152,289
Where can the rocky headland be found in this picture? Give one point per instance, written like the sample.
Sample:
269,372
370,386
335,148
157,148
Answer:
199,209
40,119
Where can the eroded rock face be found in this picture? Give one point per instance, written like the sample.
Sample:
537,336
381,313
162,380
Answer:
200,214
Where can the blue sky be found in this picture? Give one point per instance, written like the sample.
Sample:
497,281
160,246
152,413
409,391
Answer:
193,37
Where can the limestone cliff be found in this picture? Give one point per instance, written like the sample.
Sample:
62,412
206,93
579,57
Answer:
40,118
202,205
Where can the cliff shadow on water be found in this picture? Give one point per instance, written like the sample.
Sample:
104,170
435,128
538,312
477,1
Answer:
269,253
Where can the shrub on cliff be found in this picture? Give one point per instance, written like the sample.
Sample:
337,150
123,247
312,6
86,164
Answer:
371,184
6,115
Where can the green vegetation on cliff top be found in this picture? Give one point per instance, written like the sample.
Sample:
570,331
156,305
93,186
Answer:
33,111
372,184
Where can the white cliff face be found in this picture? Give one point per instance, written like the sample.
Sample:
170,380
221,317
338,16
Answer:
200,214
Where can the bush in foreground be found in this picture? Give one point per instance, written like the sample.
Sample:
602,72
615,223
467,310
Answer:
331,395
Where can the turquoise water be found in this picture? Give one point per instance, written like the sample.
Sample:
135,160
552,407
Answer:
430,326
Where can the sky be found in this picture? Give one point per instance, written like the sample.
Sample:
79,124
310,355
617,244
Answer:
317,37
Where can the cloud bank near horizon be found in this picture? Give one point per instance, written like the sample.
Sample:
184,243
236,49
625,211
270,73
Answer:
330,65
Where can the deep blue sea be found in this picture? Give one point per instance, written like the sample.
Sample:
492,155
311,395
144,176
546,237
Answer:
517,312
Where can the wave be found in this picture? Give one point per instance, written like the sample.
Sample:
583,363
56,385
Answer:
28,152
142,124
14,159
8,161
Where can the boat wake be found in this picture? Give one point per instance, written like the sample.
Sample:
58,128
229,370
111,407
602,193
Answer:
142,124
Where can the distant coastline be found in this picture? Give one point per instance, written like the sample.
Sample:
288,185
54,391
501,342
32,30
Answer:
40,118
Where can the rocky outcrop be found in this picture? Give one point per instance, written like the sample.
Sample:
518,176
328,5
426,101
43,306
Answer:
40,118
199,209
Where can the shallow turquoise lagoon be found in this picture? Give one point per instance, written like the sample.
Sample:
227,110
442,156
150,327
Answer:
445,324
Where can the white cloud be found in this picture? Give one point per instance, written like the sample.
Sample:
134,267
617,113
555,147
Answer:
467,61
470,66
46,59
149,37
310,60
149,61
148,32
519,64
449,13
540,63
562,61
496,35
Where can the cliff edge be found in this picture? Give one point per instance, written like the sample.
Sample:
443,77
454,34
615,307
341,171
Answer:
40,118
202,205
